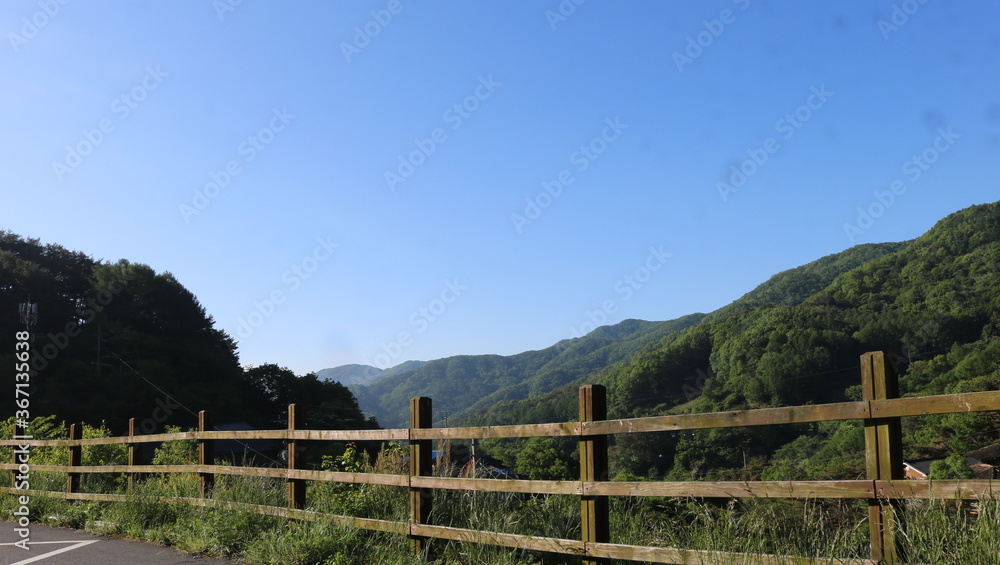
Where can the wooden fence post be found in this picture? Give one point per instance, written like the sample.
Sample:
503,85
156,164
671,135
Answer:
421,500
75,458
883,457
595,525
133,454
296,458
206,454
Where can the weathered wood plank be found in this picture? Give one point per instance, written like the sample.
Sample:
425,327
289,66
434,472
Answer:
883,457
870,391
736,489
274,472
595,524
937,490
911,406
134,454
75,458
113,468
525,430
280,473
67,495
499,485
295,455
554,545
942,489
733,419
70,443
306,435
206,454
349,435
940,404
697,557
618,551
421,462
356,478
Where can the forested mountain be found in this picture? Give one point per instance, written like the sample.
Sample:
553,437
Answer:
461,385
118,340
494,390
796,339
364,374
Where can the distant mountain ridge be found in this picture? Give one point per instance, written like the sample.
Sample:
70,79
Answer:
791,287
464,384
354,374
494,388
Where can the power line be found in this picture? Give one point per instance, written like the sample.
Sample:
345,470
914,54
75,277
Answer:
246,446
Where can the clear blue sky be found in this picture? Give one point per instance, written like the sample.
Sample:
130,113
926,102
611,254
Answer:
300,109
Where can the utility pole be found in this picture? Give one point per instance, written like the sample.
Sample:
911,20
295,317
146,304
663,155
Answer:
28,314
98,349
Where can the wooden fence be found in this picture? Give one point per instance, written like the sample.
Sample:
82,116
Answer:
885,489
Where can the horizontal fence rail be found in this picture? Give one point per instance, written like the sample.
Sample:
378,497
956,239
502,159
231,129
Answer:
859,410
884,488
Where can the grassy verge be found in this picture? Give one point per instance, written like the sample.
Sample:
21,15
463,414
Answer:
935,531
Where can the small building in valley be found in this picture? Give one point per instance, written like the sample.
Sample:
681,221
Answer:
920,470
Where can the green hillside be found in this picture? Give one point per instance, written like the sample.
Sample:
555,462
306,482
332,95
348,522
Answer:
465,384
796,339
789,287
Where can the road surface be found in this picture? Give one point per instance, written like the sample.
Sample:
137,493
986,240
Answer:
53,546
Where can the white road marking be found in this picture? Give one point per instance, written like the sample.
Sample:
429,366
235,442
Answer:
77,545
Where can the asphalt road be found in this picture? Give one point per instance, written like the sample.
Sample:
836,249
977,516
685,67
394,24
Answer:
52,546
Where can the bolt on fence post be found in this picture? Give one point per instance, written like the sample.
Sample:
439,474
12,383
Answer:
595,525
296,458
75,459
883,458
421,500
206,454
